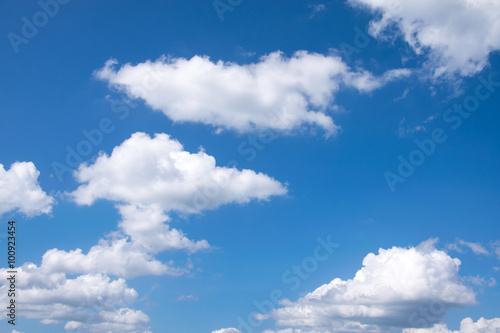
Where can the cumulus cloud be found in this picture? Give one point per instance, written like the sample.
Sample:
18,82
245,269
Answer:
385,294
227,330
147,228
277,93
130,251
92,302
456,36
115,257
148,177
145,170
20,191
466,326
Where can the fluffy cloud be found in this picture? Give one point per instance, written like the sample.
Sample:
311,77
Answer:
115,257
457,36
92,302
19,190
145,170
385,293
149,176
276,93
146,227
142,233
227,330
467,326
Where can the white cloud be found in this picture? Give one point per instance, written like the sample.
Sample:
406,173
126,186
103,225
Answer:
115,257
318,8
146,227
227,330
496,248
476,248
405,130
385,294
129,252
92,302
467,326
457,36
19,190
149,176
186,298
145,170
480,281
277,93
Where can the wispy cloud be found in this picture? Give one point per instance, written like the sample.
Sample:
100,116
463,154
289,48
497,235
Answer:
316,9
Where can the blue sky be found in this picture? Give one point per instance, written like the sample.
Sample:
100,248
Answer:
169,163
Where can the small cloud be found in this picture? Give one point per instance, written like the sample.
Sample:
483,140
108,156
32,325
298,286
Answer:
480,281
404,130
454,247
476,248
496,248
316,9
245,53
405,94
186,298
431,118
